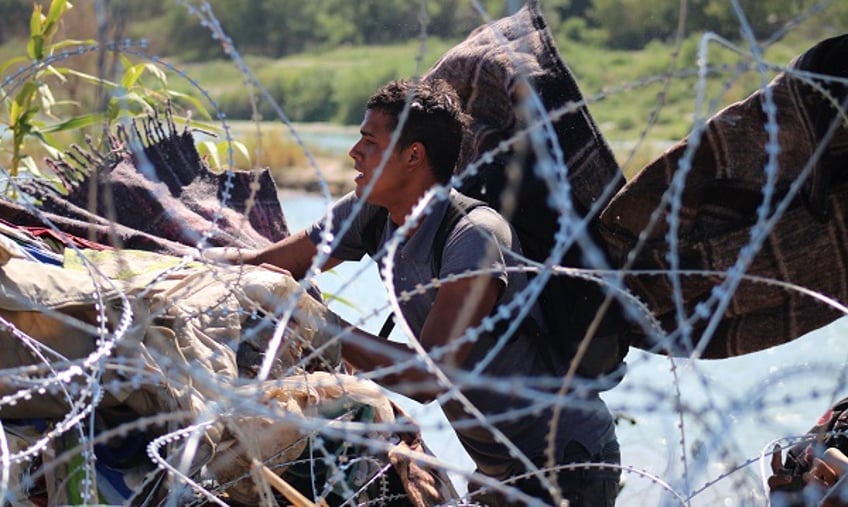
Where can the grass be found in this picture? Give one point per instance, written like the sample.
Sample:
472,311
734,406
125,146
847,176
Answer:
633,99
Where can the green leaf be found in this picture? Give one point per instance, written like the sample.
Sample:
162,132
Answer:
329,297
134,73
158,73
35,46
241,148
57,9
125,62
76,122
87,77
60,186
36,21
71,42
8,63
67,103
131,76
211,150
30,165
53,70
194,101
22,104
14,112
22,128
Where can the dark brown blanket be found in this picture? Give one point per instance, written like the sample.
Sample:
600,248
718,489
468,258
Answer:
804,245
493,71
152,191
526,108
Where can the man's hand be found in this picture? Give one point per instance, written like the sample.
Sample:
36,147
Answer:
782,477
293,254
223,255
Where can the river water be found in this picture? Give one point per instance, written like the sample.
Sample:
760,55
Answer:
704,443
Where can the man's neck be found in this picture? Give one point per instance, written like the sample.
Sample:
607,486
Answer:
400,213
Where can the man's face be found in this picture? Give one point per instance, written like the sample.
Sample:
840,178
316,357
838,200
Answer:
375,134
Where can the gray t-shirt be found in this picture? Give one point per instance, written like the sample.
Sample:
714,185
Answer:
482,240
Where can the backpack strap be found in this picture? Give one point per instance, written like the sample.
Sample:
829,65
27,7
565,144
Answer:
459,205
373,231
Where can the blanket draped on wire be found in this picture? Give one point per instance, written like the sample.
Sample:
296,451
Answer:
805,243
529,115
152,191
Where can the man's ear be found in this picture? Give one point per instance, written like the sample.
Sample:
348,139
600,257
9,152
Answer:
416,153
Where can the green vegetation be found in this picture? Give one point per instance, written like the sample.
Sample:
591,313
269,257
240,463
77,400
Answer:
39,89
278,28
633,98
328,86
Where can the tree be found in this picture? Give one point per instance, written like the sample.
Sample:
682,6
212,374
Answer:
630,24
368,21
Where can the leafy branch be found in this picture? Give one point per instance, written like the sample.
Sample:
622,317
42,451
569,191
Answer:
33,111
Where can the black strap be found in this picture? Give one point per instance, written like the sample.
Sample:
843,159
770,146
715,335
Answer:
607,349
459,205
388,325
373,231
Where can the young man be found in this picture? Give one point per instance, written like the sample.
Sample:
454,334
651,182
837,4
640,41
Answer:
480,245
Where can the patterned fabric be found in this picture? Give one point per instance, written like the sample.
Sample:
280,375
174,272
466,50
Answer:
92,227
523,100
494,71
808,244
153,192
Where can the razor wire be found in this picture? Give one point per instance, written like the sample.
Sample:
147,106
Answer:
706,423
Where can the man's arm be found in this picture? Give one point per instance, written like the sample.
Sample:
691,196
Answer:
459,305
294,254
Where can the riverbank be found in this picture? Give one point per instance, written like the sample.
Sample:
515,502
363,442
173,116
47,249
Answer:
282,148
336,173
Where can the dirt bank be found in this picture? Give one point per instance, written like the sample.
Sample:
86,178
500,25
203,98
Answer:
337,173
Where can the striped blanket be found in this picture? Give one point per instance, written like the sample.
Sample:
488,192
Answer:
780,222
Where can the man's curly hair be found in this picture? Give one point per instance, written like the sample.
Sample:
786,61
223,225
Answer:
435,119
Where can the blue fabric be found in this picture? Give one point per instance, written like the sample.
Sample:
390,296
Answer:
44,256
